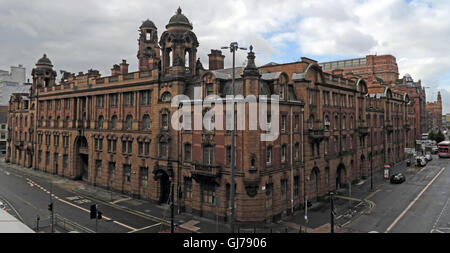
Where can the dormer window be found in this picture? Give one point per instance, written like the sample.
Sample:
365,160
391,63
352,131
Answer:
166,97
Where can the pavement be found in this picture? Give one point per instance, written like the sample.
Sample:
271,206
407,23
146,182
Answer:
347,207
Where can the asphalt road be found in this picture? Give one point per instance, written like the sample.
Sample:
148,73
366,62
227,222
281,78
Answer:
419,205
28,197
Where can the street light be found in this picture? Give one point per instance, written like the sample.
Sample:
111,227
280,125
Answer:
233,48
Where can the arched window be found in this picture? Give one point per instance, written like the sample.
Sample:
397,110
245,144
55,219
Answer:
57,121
187,152
100,122
314,183
351,122
327,123
114,122
166,97
170,58
343,122
186,58
311,121
146,122
336,122
129,122
66,122
164,121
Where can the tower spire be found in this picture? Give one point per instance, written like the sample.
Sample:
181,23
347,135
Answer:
251,69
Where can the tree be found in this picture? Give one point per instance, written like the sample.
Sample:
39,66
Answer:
431,135
436,136
439,137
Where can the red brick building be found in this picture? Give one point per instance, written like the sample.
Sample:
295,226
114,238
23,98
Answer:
375,69
418,97
434,110
115,131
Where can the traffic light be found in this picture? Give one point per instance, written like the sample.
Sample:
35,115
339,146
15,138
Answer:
93,211
50,207
99,215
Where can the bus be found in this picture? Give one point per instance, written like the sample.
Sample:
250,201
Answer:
444,149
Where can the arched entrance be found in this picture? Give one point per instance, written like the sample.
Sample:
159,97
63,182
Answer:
314,183
29,159
340,176
81,158
164,183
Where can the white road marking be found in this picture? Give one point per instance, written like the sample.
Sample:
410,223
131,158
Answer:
88,211
440,215
413,202
120,200
154,225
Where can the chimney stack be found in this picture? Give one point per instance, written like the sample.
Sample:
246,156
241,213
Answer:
216,59
124,67
115,70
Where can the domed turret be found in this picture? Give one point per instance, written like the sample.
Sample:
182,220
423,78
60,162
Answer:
44,61
148,54
179,45
179,20
148,24
43,74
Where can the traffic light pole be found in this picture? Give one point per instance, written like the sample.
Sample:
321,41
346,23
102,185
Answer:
172,225
51,207
332,212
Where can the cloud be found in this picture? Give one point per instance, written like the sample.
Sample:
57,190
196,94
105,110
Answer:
78,35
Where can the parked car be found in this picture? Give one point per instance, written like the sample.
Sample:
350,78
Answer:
397,178
421,161
428,156
2,206
435,151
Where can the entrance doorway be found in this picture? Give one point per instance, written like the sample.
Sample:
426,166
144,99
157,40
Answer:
164,189
81,155
340,173
84,159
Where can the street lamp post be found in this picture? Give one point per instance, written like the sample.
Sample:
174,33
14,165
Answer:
233,48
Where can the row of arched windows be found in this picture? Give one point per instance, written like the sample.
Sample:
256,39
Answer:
343,122
145,124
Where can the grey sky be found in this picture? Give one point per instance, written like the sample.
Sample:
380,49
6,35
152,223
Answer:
79,35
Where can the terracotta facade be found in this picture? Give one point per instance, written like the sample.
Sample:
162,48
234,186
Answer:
115,132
